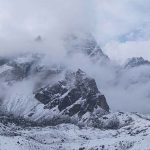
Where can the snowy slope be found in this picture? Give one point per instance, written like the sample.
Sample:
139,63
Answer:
134,135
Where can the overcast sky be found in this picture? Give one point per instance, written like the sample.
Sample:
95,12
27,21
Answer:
122,27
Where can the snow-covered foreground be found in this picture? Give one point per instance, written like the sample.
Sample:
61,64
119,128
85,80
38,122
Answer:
134,135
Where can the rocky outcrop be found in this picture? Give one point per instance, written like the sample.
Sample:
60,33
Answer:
77,94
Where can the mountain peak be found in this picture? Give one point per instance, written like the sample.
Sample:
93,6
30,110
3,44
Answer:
78,98
85,43
136,61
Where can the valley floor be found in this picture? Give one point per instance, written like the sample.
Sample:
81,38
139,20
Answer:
134,136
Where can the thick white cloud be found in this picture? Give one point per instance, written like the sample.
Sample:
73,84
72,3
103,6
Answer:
22,21
121,51
121,27
116,18
110,20
123,21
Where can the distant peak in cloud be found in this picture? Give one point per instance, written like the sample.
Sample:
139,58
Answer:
39,38
136,61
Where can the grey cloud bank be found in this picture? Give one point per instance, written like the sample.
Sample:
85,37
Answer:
112,22
22,21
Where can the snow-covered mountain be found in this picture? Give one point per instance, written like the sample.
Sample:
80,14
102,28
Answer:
76,96
77,90
40,92
51,106
86,44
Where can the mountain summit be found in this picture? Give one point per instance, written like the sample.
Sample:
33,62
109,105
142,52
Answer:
136,61
87,45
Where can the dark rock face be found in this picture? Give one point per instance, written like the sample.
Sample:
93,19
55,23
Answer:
136,61
76,94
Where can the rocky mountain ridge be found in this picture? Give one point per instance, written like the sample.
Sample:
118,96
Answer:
40,101
136,61
72,97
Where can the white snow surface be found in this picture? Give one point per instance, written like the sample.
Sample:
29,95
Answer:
132,136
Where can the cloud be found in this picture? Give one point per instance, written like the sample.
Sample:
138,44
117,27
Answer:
121,27
109,20
121,51
116,18
122,22
131,91
22,21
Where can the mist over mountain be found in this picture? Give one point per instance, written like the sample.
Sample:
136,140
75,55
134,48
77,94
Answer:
74,75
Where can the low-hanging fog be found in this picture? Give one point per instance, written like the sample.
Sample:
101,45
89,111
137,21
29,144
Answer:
44,26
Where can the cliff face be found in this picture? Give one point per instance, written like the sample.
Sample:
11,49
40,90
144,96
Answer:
77,94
